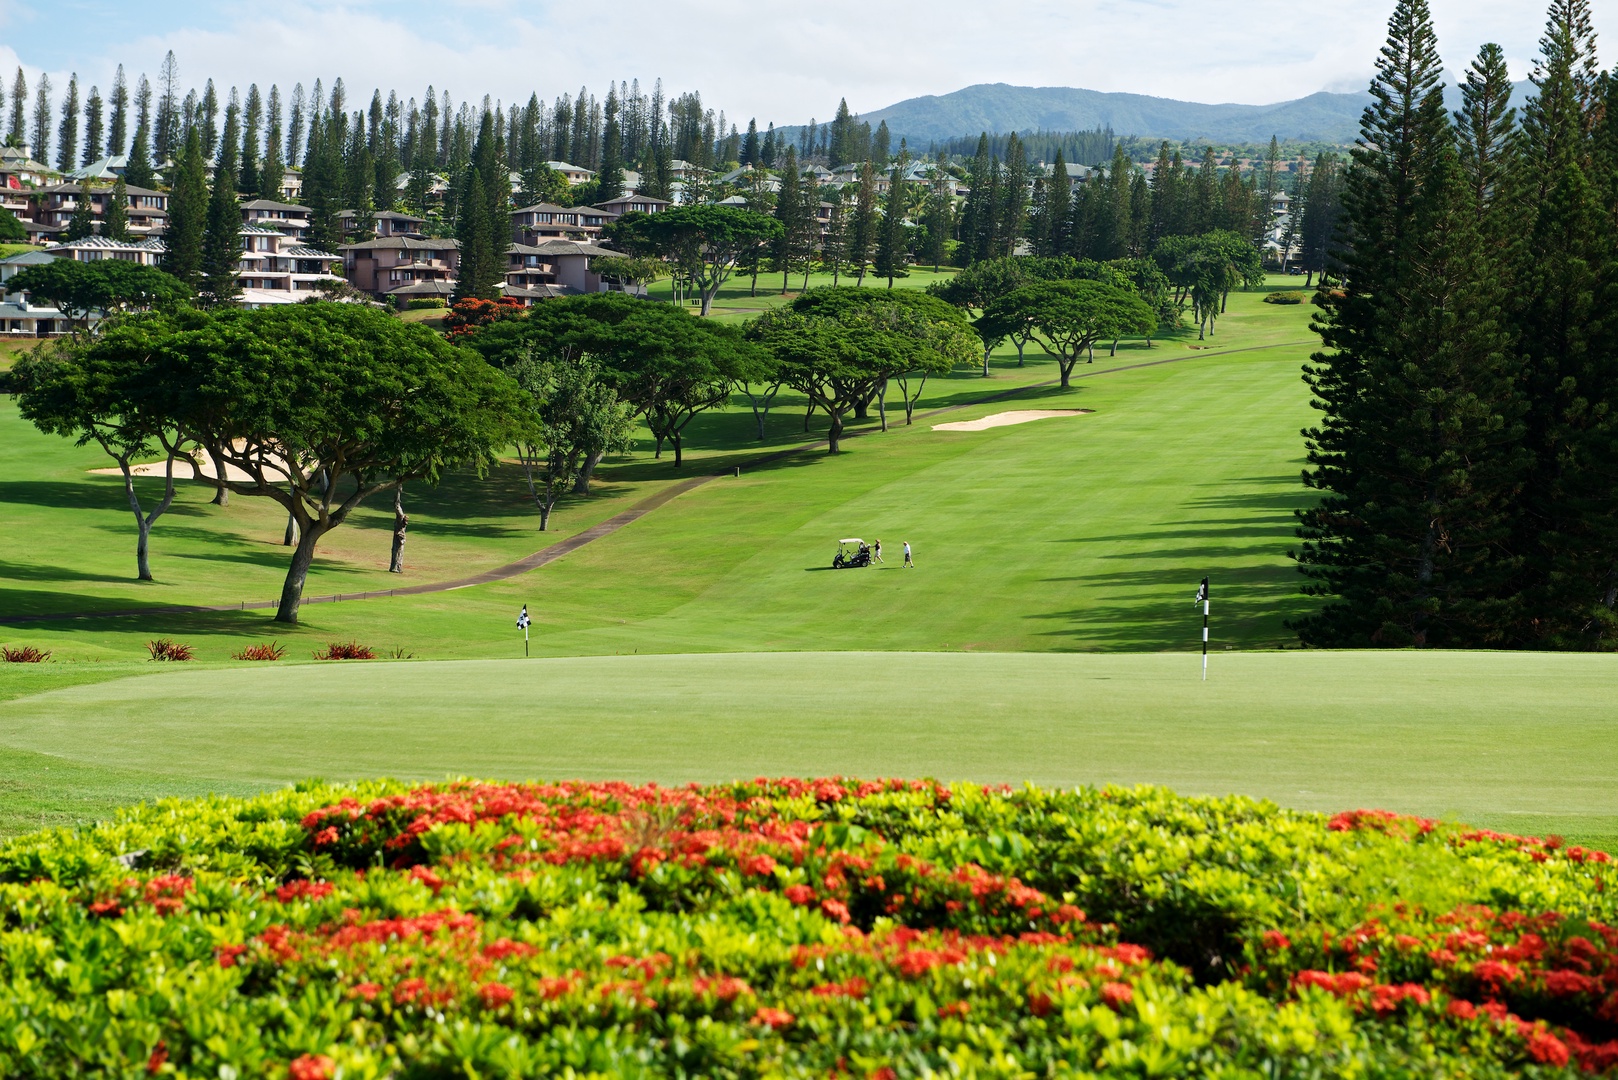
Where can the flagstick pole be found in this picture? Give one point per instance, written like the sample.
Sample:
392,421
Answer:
1205,641
525,649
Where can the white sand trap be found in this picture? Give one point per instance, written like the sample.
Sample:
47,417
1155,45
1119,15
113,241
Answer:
1004,419
182,470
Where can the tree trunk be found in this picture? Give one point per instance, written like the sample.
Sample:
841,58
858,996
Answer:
1021,344
882,404
862,408
581,486
1067,371
987,349
835,431
143,560
292,590
807,414
401,522
290,537
221,495
677,448
1114,351
545,514
707,300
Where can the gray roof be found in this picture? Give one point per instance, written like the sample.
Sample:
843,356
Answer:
29,258
310,253
269,204
403,243
561,247
424,288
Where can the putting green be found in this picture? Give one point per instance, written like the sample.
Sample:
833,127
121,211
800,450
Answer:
1523,742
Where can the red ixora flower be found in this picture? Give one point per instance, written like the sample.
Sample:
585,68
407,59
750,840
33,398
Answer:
160,1054
495,995
774,1019
798,894
1117,994
311,1067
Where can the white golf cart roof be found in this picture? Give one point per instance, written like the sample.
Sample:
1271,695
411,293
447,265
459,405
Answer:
852,540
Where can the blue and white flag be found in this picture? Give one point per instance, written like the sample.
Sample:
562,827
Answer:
522,620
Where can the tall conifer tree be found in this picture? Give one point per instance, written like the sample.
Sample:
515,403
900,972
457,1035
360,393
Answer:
94,126
188,214
1562,273
222,236
115,223
1418,455
118,115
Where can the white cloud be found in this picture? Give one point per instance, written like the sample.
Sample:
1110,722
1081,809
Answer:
788,62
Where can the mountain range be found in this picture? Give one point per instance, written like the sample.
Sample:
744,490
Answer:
1000,108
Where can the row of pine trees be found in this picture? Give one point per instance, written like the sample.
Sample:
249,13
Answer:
1467,448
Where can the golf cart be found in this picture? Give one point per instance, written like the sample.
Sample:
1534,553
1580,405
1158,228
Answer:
851,552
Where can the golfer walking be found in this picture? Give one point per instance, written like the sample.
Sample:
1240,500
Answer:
908,560
876,551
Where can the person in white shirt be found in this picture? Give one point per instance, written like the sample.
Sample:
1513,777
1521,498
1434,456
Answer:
908,561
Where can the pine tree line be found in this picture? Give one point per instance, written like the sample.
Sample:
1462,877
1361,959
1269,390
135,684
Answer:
1467,451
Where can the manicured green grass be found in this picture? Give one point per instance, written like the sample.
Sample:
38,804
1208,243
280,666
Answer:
1519,742
1011,506
1080,535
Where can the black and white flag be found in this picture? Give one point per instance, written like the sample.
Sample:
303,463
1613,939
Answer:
522,620
1202,592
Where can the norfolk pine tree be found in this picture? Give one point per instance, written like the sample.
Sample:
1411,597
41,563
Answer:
890,245
1418,454
188,214
222,235
1562,269
862,229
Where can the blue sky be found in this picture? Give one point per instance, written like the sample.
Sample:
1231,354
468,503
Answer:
784,62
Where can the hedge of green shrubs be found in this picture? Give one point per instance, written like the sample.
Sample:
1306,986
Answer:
827,928
1288,296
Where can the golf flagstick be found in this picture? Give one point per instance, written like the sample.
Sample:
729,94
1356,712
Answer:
1202,597
522,623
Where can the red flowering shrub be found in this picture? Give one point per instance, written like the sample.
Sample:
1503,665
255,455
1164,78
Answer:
467,317
519,929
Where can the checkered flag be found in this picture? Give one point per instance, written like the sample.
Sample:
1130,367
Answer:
523,620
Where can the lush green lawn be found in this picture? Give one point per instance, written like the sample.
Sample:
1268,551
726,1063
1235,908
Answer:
1052,556
1073,533
1519,742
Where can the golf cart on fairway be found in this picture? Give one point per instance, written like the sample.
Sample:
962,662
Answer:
851,552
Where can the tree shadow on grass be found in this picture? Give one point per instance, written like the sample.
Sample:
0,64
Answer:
1250,605
16,571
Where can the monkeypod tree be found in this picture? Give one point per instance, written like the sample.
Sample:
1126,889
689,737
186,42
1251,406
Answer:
109,286
100,390
322,405
840,347
665,363
704,243
1067,318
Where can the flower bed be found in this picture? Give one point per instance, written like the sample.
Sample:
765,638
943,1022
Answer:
825,928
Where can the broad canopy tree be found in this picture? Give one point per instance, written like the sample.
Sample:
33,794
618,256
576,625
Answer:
108,286
704,243
1067,318
100,390
319,405
665,363
841,346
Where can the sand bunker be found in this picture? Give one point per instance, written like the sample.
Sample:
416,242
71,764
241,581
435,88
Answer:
1002,419
182,471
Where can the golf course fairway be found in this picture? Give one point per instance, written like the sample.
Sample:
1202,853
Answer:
1519,742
